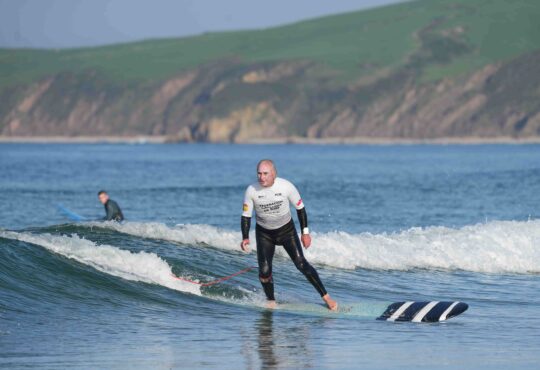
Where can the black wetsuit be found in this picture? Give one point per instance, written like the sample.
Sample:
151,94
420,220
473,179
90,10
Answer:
114,213
288,238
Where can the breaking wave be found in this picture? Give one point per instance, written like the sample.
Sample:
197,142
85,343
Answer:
494,247
141,266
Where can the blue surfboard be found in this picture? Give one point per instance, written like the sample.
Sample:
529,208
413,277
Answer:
70,214
431,311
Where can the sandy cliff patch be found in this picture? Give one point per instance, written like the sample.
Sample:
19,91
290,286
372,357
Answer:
246,124
35,92
272,74
170,89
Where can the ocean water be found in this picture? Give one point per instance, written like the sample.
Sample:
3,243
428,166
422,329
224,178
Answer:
389,223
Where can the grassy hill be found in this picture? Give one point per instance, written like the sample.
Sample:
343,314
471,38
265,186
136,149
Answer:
392,48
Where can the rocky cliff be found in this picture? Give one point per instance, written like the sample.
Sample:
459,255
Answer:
234,99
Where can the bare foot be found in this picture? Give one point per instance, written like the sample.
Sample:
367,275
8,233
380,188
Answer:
332,305
271,304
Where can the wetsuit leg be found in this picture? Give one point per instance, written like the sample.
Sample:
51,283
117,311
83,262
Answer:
265,254
292,245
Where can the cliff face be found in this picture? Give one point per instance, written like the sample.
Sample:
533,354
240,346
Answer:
232,102
231,99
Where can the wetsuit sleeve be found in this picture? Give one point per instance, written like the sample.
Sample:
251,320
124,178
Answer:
247,210
296,200
245,224
302,217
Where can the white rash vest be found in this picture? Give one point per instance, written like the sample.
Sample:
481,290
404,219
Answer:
272,204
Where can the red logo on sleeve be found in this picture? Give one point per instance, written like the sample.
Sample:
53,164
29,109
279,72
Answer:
299,203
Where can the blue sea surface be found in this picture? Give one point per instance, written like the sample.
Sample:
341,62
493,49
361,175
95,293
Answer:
389,223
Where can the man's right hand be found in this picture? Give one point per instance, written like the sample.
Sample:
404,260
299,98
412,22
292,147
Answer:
245,245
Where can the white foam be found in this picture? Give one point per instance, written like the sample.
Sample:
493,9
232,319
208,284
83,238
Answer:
494,247
184,234
141,266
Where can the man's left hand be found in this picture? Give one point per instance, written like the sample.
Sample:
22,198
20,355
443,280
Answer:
306,240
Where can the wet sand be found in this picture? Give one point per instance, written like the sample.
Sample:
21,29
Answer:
141,139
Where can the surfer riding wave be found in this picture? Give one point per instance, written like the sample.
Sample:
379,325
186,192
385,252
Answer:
270,199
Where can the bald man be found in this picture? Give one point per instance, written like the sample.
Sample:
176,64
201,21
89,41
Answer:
270,199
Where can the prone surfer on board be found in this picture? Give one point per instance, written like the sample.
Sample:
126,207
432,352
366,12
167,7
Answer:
114,213
270,198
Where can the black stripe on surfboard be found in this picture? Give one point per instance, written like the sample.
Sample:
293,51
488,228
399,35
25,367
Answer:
435,313
411,312
423,311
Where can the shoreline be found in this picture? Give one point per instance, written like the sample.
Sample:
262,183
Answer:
142,139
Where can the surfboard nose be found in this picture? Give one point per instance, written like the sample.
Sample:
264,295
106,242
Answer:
458,309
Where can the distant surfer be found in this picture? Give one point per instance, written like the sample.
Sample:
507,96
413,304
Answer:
114,213
270,199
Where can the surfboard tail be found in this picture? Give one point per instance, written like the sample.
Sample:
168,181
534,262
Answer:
433,311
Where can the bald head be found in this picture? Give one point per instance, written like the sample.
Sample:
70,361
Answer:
267,162
266,172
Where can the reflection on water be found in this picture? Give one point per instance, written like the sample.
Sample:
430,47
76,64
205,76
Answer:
266,347
282,345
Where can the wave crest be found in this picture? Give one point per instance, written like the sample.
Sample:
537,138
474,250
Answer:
494,247
141,266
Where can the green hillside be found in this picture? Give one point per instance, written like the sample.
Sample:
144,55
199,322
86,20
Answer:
419,69
351,44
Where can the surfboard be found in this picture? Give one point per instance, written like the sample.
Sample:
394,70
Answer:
368,310
431,311
70,214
